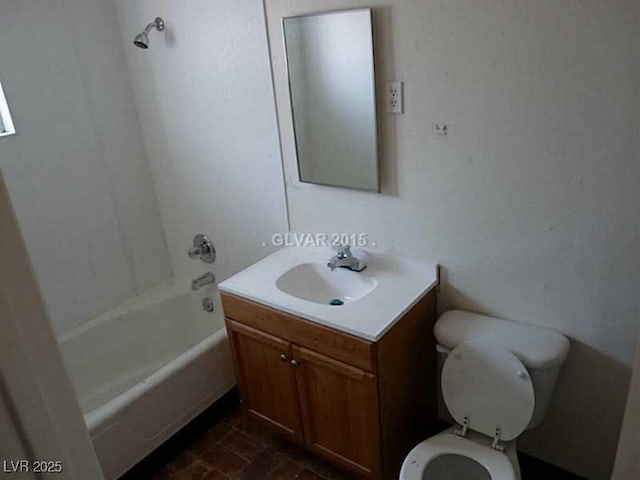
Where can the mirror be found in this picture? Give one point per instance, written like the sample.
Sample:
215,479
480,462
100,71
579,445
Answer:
333,101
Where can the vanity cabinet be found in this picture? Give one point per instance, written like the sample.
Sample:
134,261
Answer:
266,378
339,407
361,405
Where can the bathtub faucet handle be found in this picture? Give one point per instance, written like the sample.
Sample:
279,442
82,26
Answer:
203,249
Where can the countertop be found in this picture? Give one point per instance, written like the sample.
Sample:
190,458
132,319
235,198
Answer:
402,283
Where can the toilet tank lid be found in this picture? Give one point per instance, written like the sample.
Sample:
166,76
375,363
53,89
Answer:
536,347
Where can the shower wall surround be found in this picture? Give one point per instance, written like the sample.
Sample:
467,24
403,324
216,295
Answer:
77,171
203,90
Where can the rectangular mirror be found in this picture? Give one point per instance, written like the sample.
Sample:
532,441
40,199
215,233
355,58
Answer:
333,101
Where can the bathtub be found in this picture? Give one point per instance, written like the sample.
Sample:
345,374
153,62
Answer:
146,368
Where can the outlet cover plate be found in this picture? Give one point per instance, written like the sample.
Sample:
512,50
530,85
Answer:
395,96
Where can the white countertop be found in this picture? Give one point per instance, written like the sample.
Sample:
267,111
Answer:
401,283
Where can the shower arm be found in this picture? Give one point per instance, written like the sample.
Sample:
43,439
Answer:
158,24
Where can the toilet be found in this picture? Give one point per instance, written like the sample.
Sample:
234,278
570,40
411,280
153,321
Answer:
496,381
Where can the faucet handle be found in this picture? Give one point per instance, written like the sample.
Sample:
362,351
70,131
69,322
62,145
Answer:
344,251
202,249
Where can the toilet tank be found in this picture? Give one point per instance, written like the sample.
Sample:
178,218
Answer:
541,351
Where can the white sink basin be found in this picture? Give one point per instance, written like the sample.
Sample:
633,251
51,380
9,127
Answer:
297,280
317,283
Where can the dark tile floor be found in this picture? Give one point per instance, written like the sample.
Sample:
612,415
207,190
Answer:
235,448
222,444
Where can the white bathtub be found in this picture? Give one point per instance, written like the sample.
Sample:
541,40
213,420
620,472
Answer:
146,368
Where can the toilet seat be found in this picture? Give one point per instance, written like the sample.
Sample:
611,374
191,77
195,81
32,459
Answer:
498,465
487,389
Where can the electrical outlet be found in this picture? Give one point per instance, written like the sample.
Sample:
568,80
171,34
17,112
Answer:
394,97
441,129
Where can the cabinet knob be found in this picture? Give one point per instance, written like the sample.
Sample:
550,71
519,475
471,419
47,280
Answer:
295,363
283,357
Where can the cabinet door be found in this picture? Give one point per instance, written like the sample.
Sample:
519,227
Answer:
266,378
339,406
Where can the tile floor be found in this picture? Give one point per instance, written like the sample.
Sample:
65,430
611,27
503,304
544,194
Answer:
235,448
232,448
222,444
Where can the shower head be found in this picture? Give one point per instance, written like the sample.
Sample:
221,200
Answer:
142,39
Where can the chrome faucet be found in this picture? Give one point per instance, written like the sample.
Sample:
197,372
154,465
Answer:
202,280
345,259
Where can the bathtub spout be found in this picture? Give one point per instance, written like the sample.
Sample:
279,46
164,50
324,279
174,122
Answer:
202,280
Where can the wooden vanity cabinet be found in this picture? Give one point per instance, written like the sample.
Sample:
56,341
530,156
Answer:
266,379
358,404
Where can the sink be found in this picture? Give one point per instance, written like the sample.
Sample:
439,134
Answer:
296,280
317,283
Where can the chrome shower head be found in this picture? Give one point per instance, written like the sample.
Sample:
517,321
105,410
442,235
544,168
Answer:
142,39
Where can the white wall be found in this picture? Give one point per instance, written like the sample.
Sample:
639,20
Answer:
531,203
627,463
77,171
204,94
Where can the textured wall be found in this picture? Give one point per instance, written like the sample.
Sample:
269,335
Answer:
531,202
205,99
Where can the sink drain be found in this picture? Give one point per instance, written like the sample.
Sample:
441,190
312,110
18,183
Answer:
336,302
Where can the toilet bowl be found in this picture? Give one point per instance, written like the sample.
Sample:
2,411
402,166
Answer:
448,456
494,372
